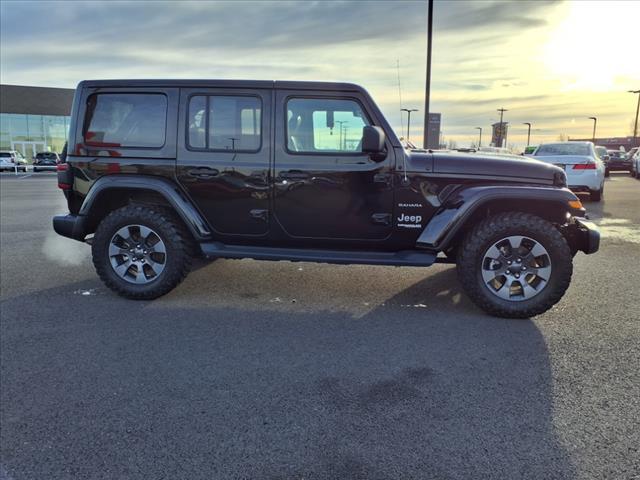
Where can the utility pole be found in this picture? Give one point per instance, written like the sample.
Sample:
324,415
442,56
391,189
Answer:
528,132
502,110
408,110
341,122
635,127
595,122
480,138
425,137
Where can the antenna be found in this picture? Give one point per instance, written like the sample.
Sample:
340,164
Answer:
399,90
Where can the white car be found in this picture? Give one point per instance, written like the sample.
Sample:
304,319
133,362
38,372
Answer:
9,159
584,168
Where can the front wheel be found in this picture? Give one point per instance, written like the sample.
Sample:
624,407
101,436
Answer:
141,252
515,265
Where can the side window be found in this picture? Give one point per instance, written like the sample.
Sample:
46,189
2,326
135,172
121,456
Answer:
136,120
324,125
229,123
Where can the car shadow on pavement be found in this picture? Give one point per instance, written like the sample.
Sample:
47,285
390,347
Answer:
122,389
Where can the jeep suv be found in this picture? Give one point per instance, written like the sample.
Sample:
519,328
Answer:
160,171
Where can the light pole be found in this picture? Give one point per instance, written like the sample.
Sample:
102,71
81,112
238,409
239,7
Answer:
340,122
528,132
635,127
595,122
502,110
425,135
480,137
408,110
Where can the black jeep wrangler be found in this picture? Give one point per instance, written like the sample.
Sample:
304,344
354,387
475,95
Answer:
157,172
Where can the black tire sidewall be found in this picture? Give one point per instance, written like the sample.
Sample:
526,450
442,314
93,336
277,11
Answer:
176,255
561,270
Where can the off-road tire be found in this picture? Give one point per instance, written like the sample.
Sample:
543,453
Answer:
178,241
491,230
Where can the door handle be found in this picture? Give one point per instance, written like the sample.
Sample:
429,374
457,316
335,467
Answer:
203,172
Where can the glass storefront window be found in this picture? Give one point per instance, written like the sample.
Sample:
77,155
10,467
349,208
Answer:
46,132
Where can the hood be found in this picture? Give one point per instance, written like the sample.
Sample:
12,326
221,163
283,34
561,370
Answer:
484,166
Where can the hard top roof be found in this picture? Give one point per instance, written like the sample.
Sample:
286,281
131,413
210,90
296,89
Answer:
283,84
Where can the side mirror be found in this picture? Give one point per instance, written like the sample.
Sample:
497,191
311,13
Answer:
373,139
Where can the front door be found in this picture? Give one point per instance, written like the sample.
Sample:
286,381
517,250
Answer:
224,148
325,188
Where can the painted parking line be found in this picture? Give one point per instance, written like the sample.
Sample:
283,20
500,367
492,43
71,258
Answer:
25,176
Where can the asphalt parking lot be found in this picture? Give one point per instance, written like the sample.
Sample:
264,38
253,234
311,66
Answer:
301,371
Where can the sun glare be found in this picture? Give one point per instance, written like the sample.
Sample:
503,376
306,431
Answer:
595,45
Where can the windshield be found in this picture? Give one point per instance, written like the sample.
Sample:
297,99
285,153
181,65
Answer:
5,155
563,149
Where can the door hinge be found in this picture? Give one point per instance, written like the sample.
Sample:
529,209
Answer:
382,178
260,214
381,218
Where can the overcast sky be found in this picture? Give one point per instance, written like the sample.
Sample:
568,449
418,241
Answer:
552,64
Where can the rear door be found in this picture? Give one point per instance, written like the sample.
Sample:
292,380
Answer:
325,188
223,157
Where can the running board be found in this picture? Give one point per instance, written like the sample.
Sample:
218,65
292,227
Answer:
407,258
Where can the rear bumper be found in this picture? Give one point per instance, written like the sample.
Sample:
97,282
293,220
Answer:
586,236
612,167
70,226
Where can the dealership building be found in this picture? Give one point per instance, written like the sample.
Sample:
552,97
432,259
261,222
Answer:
34,119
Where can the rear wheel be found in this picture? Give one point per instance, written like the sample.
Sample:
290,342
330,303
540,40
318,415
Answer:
596,195
141,252
515,265
607,173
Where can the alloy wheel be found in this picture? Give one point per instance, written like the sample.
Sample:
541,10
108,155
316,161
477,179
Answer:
137,254
516,268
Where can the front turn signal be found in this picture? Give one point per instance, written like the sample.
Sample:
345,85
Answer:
577,204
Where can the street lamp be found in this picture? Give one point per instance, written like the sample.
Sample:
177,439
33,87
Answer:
341,122
480,138
635,127
528,132
595,122
409,110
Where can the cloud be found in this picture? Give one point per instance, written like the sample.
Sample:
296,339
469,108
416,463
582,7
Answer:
485,54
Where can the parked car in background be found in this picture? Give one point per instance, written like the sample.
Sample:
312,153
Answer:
45,161
604,156
10,159
630,157
635,164
618,161
584,168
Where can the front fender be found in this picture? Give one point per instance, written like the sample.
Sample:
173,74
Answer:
461,205
169,190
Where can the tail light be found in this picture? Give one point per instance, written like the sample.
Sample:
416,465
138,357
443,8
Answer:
584,166
63,176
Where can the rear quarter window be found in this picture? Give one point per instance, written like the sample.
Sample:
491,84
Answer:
127,120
